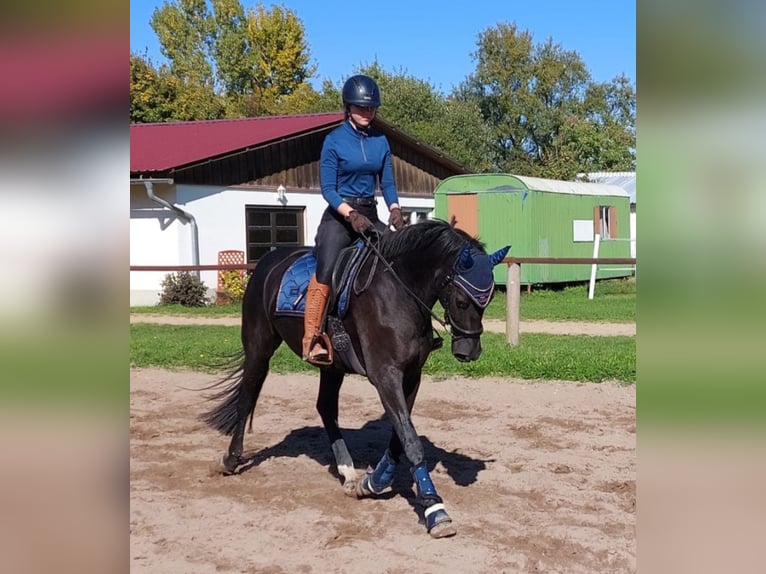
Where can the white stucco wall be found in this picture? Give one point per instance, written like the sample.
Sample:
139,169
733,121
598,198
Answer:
158,238
155,238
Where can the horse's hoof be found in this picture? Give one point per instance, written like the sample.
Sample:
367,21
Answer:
365,489
229,464
350,488
443,530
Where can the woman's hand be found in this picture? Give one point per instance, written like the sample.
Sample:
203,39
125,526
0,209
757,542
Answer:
396,219
358,222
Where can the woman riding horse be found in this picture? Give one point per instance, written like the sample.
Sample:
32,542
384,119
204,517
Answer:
354,158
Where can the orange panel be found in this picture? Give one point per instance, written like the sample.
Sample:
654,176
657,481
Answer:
465,208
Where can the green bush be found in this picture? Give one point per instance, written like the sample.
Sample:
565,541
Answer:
183,288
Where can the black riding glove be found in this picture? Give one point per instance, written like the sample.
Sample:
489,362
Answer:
359,222
396,219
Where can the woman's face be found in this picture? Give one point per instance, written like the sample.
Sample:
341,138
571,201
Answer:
361,115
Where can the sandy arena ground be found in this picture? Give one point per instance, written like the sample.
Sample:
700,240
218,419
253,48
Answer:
538,477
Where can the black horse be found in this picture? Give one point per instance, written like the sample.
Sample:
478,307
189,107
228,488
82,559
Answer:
389,324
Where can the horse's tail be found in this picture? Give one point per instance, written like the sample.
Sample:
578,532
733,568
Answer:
223,418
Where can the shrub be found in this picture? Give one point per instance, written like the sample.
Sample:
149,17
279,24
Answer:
234,284
183,288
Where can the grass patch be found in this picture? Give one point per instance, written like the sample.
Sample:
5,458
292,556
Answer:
539,356
571,357
229,310
614,301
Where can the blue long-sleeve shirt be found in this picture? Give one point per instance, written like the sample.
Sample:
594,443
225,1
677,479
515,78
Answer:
351,164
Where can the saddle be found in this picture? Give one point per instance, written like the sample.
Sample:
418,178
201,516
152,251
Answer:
291,298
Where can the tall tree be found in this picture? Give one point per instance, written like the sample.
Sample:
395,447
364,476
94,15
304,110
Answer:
258,61
184,29
234,56
157,95
283,59
548,118
453,127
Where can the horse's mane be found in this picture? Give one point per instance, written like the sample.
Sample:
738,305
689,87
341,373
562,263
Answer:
432,233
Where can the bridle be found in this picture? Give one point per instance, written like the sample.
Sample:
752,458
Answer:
443,291
445,296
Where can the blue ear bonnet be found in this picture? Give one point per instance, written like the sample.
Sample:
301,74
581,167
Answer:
473,273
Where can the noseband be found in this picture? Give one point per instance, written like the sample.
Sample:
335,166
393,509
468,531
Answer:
445,292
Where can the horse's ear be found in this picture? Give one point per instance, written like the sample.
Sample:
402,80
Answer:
499,255
465,259
452,220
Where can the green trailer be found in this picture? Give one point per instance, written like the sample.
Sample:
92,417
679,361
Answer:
541,218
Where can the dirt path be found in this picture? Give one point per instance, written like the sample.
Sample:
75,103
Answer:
491,325
538,476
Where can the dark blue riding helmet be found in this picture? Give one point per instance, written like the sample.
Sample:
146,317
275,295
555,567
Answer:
361,91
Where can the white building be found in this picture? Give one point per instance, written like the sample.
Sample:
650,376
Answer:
246,185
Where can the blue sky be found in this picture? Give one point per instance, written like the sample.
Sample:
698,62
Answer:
434,40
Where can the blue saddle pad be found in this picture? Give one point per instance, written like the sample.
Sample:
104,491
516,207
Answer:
291,299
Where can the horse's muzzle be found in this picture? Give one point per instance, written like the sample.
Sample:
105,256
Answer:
466,349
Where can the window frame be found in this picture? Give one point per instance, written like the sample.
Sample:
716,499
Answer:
274,228
605,221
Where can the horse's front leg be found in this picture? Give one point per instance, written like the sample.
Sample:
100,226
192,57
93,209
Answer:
398,407
327,406
380,479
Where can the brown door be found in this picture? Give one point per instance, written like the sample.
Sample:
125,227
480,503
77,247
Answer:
465,208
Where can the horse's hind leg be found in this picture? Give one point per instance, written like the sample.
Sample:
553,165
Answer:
258,352
327,406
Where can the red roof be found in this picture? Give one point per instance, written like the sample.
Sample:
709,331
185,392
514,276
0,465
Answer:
163,146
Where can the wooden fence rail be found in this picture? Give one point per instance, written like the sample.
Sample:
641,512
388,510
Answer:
513,284
228,267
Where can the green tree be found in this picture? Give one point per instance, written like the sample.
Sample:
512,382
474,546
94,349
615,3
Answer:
184,29
453,127
282,62
328,99
547,117
159,96
233,54
148,97
257,61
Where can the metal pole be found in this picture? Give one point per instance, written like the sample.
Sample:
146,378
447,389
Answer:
594,267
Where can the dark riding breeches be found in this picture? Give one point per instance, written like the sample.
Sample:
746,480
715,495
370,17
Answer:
335,233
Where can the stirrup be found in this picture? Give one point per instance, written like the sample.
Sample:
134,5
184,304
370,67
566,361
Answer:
318,351
323,358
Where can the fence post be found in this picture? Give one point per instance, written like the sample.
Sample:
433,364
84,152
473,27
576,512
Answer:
513,304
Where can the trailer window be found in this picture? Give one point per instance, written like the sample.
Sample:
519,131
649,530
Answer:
605,221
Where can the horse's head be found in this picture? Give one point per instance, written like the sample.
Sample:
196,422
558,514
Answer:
465,295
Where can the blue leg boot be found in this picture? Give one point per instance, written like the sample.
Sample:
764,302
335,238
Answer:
438,522
380,478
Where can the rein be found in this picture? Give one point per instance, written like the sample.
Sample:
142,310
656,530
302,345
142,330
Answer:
388,266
